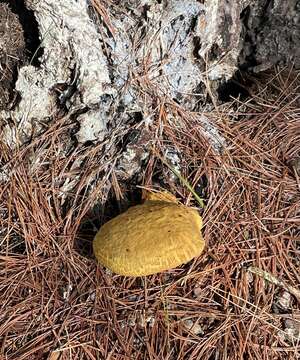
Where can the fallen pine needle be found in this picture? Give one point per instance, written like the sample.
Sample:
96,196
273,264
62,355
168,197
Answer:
183,180
274,280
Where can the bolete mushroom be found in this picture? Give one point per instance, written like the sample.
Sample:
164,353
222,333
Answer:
157,235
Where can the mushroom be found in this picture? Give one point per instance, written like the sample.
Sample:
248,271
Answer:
157,235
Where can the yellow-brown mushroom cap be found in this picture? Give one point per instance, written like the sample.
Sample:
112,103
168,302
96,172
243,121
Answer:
149,238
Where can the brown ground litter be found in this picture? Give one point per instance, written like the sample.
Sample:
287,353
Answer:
58,304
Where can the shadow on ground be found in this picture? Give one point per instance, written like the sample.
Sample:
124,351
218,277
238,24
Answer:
99,215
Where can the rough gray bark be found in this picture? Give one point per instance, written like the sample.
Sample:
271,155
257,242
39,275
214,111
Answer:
174,50
12,47
271,34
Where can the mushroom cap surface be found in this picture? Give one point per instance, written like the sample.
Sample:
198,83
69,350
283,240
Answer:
149,238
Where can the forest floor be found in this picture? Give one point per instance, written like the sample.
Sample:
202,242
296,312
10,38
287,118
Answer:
238,300
56,302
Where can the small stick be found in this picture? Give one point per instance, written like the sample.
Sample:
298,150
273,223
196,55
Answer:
183,180
272,279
